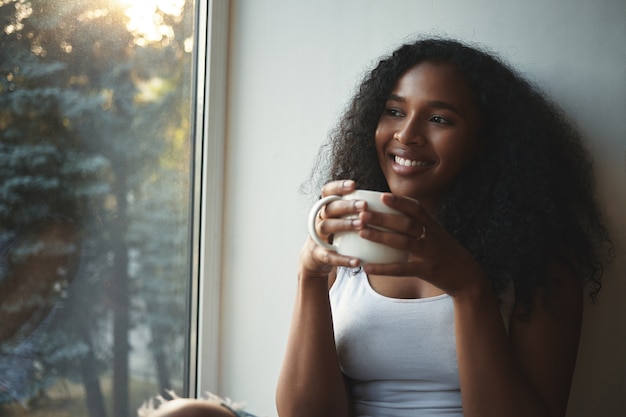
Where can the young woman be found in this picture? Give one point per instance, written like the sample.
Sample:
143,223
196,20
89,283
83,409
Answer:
484,318
504,237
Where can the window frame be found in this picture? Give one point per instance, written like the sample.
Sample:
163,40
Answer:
208,190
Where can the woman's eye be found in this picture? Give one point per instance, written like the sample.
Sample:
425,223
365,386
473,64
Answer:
439,119
394,112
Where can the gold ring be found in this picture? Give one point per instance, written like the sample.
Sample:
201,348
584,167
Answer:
423,235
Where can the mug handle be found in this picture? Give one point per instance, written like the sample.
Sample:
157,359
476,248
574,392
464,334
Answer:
312,217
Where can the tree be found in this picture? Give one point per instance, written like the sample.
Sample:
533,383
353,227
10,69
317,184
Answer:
85,122
45,171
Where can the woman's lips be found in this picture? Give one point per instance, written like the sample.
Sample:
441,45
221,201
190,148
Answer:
404,162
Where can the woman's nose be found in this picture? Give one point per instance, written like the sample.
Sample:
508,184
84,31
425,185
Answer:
410,134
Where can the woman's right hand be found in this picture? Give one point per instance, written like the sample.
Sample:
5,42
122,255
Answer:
316,261
311,382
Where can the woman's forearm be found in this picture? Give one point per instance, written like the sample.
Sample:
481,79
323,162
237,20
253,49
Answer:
526,373
491,383
311,382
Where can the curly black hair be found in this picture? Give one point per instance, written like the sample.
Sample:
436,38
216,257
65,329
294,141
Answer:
526,200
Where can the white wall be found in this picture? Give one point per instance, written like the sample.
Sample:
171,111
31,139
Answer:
293,66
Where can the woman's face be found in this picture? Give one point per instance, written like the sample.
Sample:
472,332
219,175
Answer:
427,133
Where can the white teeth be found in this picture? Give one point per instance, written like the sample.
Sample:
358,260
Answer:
409,163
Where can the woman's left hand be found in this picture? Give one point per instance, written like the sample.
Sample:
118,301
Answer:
434,254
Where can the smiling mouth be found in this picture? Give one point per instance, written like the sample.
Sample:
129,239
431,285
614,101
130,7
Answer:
409,163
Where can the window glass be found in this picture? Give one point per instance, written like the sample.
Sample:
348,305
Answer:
96,100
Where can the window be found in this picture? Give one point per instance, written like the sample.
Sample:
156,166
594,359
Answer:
107,155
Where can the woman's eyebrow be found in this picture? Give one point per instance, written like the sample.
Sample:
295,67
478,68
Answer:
444,105
432,103
395,97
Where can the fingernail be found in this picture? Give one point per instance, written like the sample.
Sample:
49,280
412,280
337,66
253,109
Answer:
347,183
359,204
353,262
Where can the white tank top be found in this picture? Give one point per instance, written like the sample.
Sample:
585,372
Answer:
400,354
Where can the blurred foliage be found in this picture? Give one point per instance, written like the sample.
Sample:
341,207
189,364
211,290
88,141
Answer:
95,129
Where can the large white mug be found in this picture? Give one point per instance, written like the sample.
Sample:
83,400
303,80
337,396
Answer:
350,243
